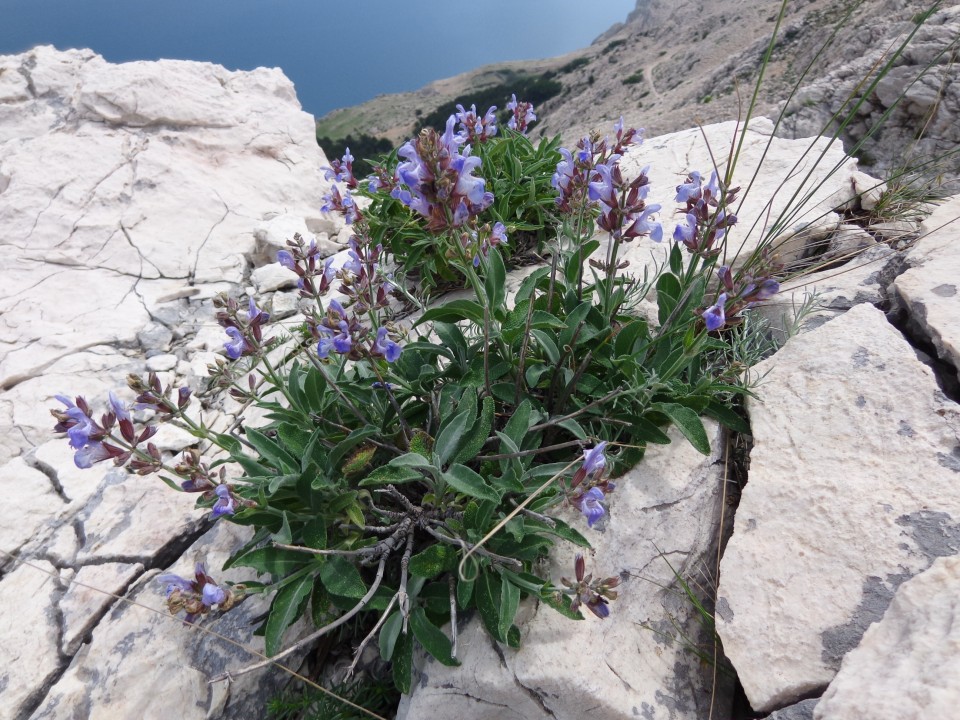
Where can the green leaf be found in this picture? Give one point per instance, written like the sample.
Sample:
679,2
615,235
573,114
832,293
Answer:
451,436
272,451
560,603
669,291
574,428
340,450
626,339
433,561
288,605
410,460
547,344
478,434
314,390
509,602
294,438
315,533
495,283
646,431
464,593
432,638
403,662
341,577
389,632
275,561
319,603
284,535
688,422
387,474
487,593
513,637
676,259
454,311
466,481
519,423
727,417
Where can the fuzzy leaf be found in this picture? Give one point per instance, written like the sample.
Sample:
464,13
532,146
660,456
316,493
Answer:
387,474
433,561
389,632
340,577
689,423
464,480
288,604
487,594
431,637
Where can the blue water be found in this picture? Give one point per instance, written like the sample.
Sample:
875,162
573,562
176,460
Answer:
336,53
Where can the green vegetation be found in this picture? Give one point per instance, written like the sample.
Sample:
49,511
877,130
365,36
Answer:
633,79
575,64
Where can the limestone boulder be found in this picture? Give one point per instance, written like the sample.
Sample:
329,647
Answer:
794,187
852,491
904,667
122,184
929,290
638,662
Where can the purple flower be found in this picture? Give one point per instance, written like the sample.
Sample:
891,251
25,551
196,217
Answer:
175,582
643,225
119,409
385,346
90,454
225,504
767,289
686,231
521,114
255,314
714,316
285,258
590,505
690,190
196,596
235,349
594,460
213,595
83,427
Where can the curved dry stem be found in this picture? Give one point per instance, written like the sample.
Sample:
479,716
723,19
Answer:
307,641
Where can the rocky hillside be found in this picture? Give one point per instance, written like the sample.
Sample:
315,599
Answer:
667,70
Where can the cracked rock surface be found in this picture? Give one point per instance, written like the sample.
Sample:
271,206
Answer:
129,196
905,665
852,491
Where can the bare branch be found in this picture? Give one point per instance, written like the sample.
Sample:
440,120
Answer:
307,641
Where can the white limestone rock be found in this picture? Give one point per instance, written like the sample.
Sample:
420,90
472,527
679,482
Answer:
32,502
116,176
928,291
162,363
272,234
782,173
145,664
622,666
863,279
29,658
852,490
89,595
122,522
273,277
284,305
905,666
868,188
